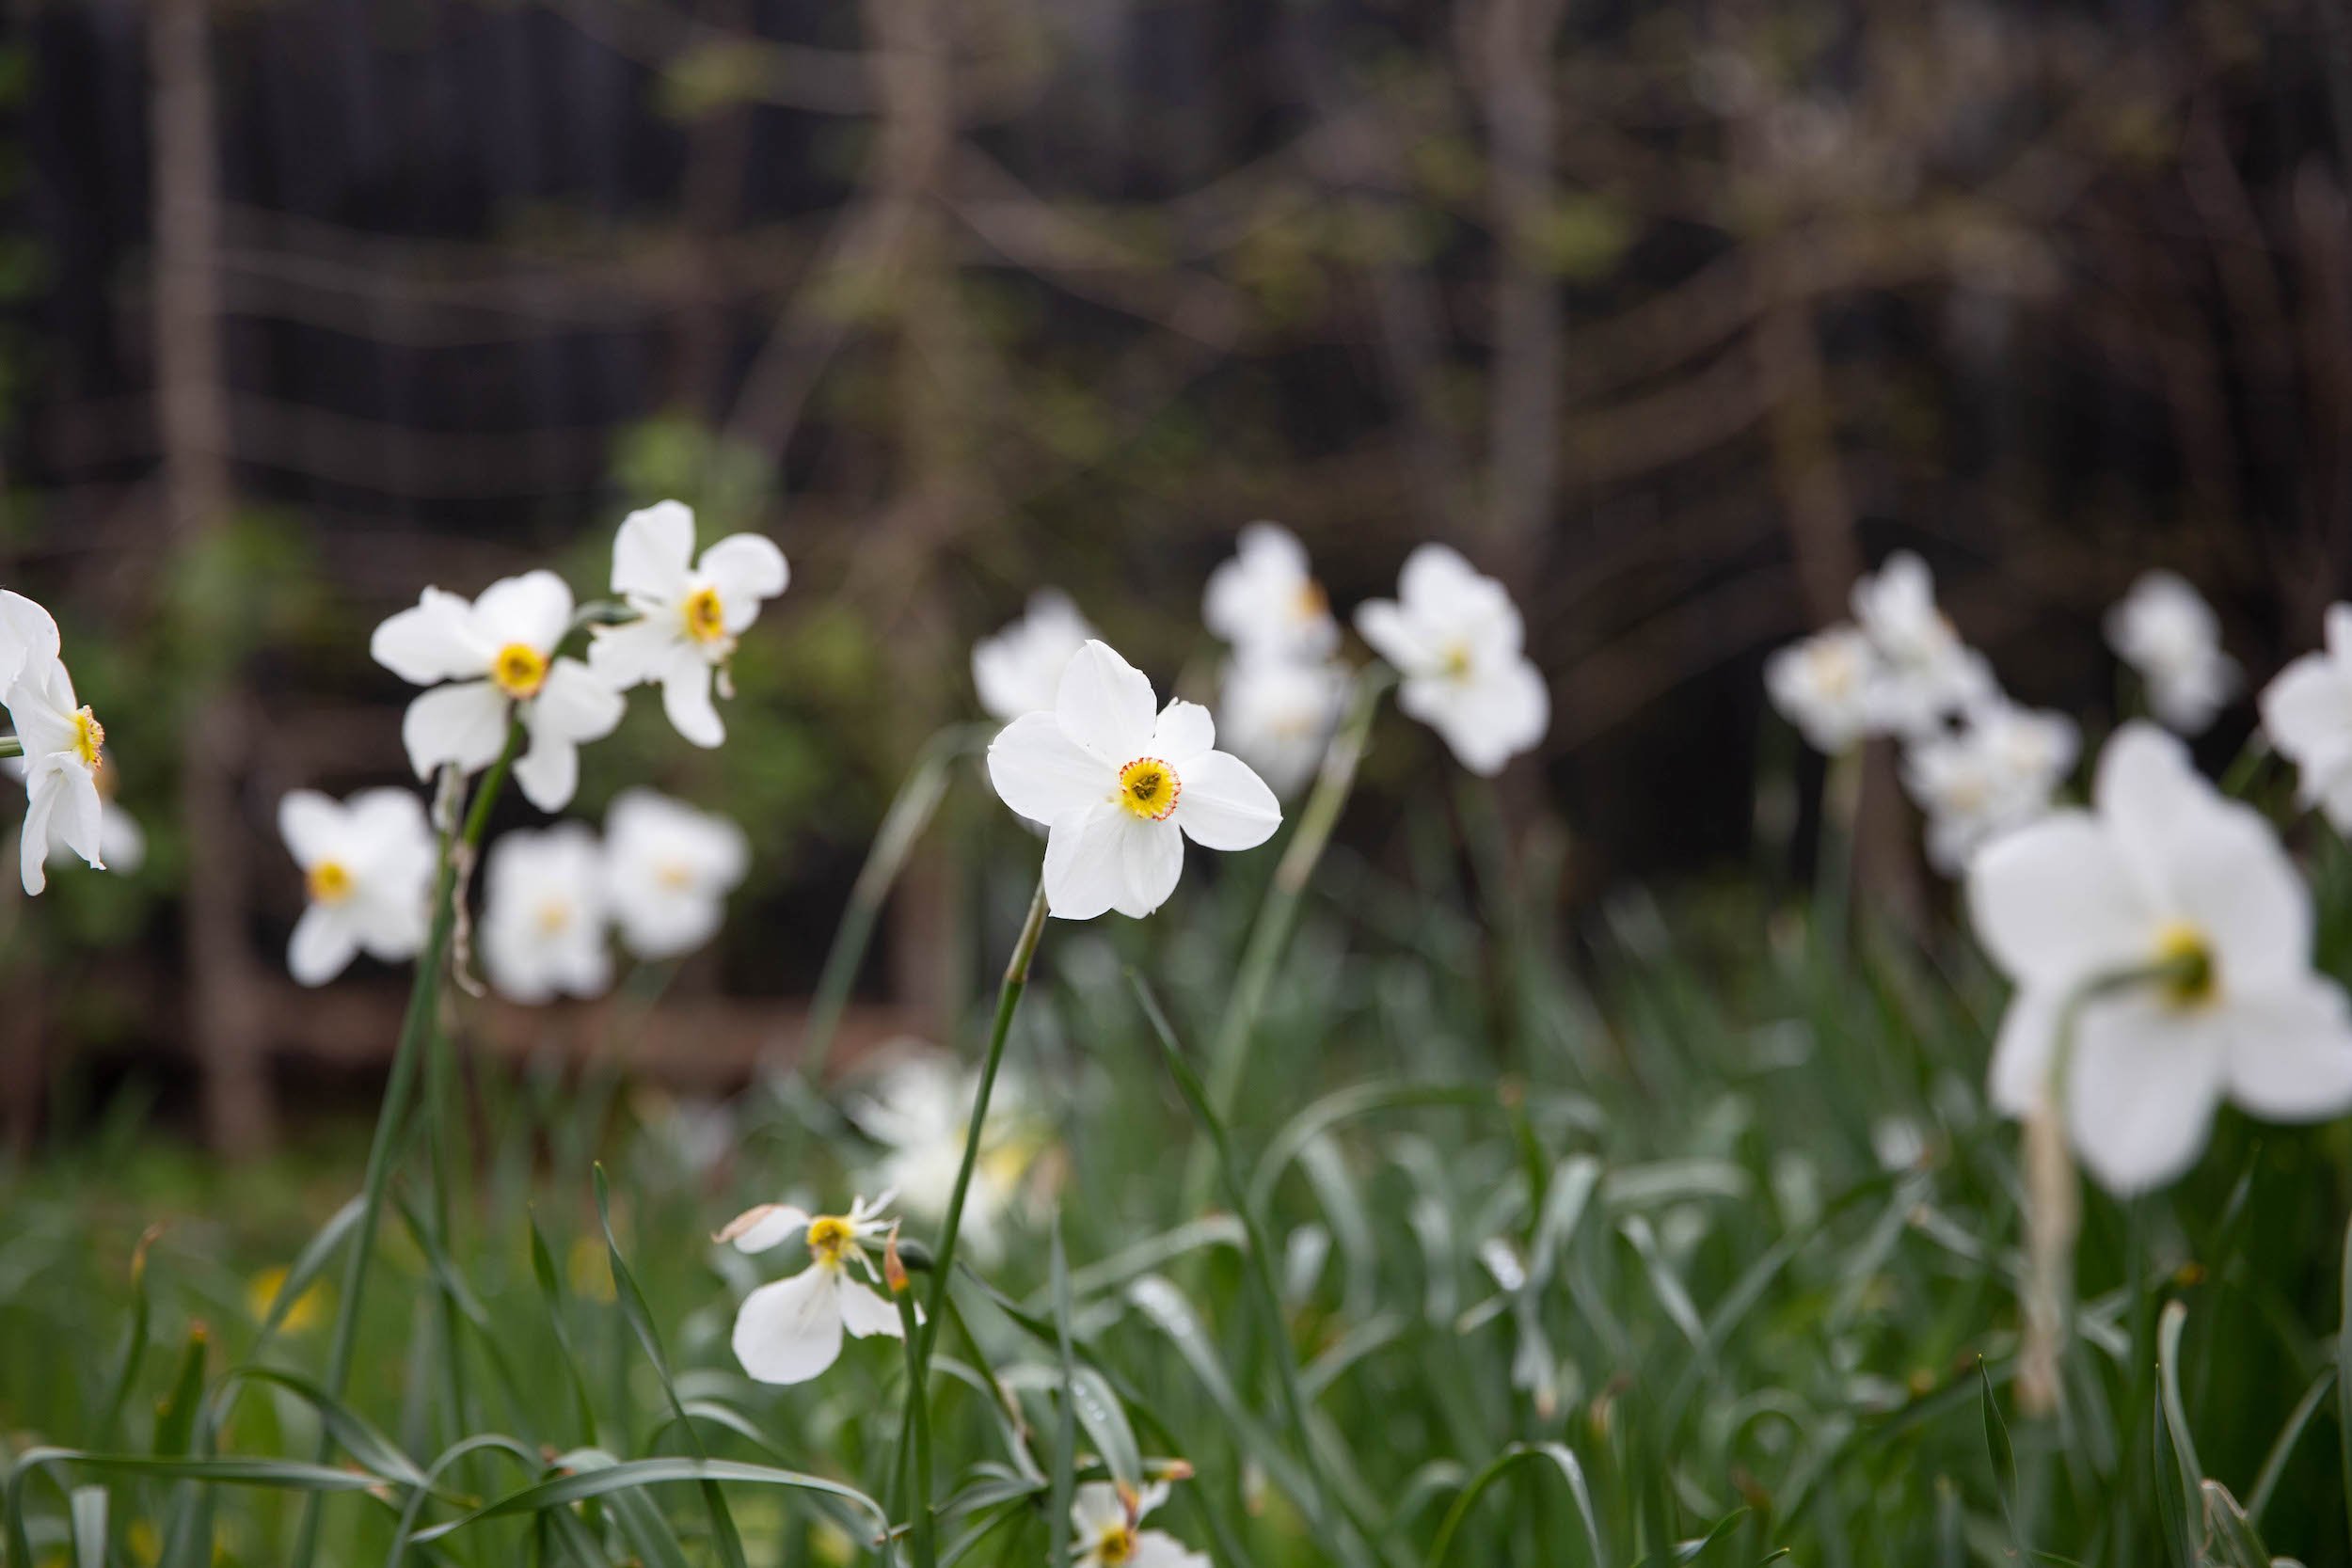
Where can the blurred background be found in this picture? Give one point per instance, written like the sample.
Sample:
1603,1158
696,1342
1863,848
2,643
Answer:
1675,316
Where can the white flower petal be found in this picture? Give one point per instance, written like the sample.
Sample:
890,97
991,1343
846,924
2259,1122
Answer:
312,825
2308,714
1151,859
2145,783
1106,704
651,552
865,1311
790,1331
322,945
1222,804
1185,730
464,724
549,770
572,702
390,922
2055,903
768,1224
534,610
1159,1549
80,815
1395,637
2227,874
637,651
2290,1051
32,857
1085,870
2027,1047
1095,1507
2141,1086
686,698
745,568
1042,773
27,634
432,640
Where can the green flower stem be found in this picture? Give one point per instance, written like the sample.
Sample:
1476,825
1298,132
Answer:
923,1529
10,746
415,1027
909,813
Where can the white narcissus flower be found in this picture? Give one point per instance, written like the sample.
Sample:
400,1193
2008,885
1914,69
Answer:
2161,946
2307,712
64,744
367,868
543,921
1019,670
1265,600
1455,639
2164,630
497,656
790,1331
1822,685
1103,1518
691,611
1278,714
1994,773
919,1110
1120,789
668,869
1923,673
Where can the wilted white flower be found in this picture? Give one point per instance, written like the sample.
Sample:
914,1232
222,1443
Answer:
1277,714
668,869
789,1331
2164,630
2307,713
64,743
543,914
919,1110
1923,673
689,612
1103,1518
1456,640
1822,685
2161,946
498,654
367,868
1019,670
1265,600
1994,773
1120,790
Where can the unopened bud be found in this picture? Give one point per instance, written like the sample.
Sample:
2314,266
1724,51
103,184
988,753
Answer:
894,1267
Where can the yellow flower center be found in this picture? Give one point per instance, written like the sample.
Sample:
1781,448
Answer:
330,882
554,915
706,617
1835,670
1313,603
1454,662
675,874
1148,788
2190,979
830,1237
521,670
1116,1545
88,736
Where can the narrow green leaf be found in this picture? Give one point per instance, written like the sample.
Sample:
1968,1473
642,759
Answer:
1515,1457
2179,1498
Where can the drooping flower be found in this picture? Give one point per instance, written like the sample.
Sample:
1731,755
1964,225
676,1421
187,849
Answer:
367,869
1278,714
668,869
689,612
497,655
2161,946
64,744
543,914
1923,673
1456,640
1103,1516
2307,713
1265,600
1019,670
2164,630
1822,685
918,1110
1994,773
1120,790
790,1330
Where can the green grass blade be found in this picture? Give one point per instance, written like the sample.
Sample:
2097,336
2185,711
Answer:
1518,1456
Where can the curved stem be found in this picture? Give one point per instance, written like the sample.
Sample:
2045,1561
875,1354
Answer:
416,1026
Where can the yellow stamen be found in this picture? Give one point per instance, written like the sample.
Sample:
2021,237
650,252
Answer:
330,882
2190,977
1116,1545
521,670
1455,663
706,617
88,736
675,874
1148,788
1313,603
553,916
830,1237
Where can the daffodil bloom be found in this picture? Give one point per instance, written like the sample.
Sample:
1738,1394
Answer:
367,870
1922,673
1994,773
2307,713
26,633
1822,685
689,612
1019,670
1278,714
2164,630
64,743
1120,789
668,869
542,923
1265,600
497,656
2161,945
789,1331
918,1110
1103,1517
1455,639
